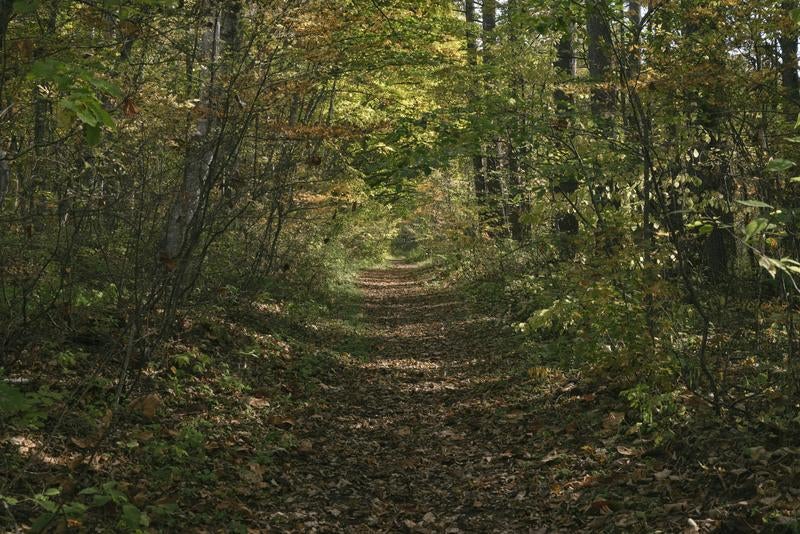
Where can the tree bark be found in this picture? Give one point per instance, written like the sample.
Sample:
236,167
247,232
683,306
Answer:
6,9
494,187
5,177
789,75
221,36
599,63
472,58
566,222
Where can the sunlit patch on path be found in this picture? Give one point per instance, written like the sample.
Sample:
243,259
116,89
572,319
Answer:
402,443
430,427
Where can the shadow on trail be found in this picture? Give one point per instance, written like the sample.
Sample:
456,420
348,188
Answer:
408,438
427,427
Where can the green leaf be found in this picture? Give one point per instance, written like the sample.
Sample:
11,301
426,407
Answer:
75,509
50,492
45,68
12,400
754,204
46,503
756,226
705,229
101,500
92,134
25,6
11,501
779,165
100,114
105,86
78,107
41,522
769,264
133,517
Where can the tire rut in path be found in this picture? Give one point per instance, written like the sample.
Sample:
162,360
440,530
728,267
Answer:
409,440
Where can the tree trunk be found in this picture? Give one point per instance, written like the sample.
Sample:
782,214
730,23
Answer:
221,36
5,177
6,8
718,248
494,186
472,58
566,223
789,76
599,63
518,203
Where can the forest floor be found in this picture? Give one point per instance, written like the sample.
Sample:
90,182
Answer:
436,430
401,409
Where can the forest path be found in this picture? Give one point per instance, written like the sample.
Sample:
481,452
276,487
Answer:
422,436
434,427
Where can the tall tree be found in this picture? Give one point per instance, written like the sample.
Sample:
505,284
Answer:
566,66
599,48
219,36
479,180
493,178
789,75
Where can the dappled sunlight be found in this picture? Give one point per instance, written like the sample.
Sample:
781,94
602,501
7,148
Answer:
36,451
402,364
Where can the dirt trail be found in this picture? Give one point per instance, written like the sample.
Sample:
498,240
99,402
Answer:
438,429
421,437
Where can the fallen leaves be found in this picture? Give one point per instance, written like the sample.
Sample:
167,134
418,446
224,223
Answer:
432,435
258,402
613,420
552,456
146,406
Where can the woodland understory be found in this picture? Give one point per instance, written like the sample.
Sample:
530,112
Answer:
399,266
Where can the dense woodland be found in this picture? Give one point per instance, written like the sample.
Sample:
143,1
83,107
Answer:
191,191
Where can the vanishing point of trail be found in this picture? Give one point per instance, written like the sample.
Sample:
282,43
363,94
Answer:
410,440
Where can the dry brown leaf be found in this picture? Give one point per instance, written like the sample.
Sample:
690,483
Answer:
662,475
626,451
83,443
281,422
691,527
601,505
257,402
680,506
147,406
613,420
551,456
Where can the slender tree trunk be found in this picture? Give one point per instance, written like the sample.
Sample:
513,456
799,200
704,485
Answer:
221,36
632,68
717,248
5,177
494,185
472,58
566,222
6,9
599,49
789,75
518,203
